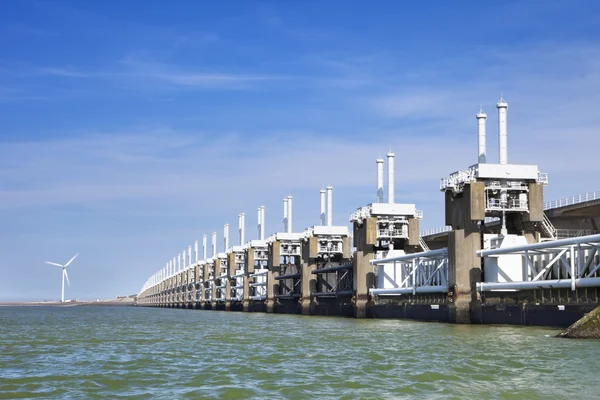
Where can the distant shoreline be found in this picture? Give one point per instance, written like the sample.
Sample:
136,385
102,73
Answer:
119,302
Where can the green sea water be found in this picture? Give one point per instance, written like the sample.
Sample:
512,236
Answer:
134,352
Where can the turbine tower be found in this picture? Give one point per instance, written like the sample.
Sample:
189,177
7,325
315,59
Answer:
64,275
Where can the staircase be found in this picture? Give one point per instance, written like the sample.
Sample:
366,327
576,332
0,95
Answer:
423,244
548,229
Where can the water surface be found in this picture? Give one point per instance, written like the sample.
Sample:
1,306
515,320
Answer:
108,352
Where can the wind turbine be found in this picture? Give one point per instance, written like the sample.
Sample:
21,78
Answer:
64,275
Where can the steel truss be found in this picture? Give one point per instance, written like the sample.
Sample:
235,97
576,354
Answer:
566,263
333,280
425,272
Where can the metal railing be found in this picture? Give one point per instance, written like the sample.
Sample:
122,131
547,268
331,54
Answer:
566,263
570,233
567,201
435,231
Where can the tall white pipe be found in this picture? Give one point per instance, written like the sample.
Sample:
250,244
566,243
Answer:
390,157
204,245
214,244
289,214
226,236
329,205
183,264
262,222
502,134
323,215
285,214
196,251
242,227
189,255
379,179
481,118
259,221
178,262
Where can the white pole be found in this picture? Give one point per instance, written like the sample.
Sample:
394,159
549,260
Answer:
379,179
204,246
196,251
289,214
502,133
62,295
259,221
285,214
178,262
481,118
329,205
214,244
226,236
262,222
390,157
183,263
189,255
242,228
323,215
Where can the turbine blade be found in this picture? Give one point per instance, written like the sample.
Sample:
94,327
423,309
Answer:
66,276
71,260
51,263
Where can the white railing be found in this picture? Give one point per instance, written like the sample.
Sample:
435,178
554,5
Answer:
435,231
425,272
567,201
571,233
566,263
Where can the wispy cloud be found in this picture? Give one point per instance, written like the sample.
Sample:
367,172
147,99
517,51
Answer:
68,72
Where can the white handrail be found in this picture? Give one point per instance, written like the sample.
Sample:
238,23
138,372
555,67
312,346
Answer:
567,201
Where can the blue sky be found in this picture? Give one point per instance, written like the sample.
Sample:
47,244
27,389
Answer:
130,129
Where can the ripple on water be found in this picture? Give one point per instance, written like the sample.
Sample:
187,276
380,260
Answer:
101,352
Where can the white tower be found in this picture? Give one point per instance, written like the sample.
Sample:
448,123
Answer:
481,118
214,244
329,205
390,157
289,214
258,225
241,228
262,222
502,139
379,180
285,214
323,214
226,236
204,247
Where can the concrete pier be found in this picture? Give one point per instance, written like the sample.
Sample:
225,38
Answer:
309,264
365,239
274,269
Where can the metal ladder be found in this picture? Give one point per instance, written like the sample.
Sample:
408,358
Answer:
423,244
548,228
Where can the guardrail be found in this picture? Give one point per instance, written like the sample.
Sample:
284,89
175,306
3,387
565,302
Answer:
567,201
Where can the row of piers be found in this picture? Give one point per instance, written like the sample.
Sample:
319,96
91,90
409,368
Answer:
503,262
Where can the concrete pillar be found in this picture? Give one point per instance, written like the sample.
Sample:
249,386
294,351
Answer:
365,237
310,249
196,282
216,273
203,301
464,271
274,269
247,279
230,272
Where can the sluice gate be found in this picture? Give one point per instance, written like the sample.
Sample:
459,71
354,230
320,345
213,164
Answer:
500,258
